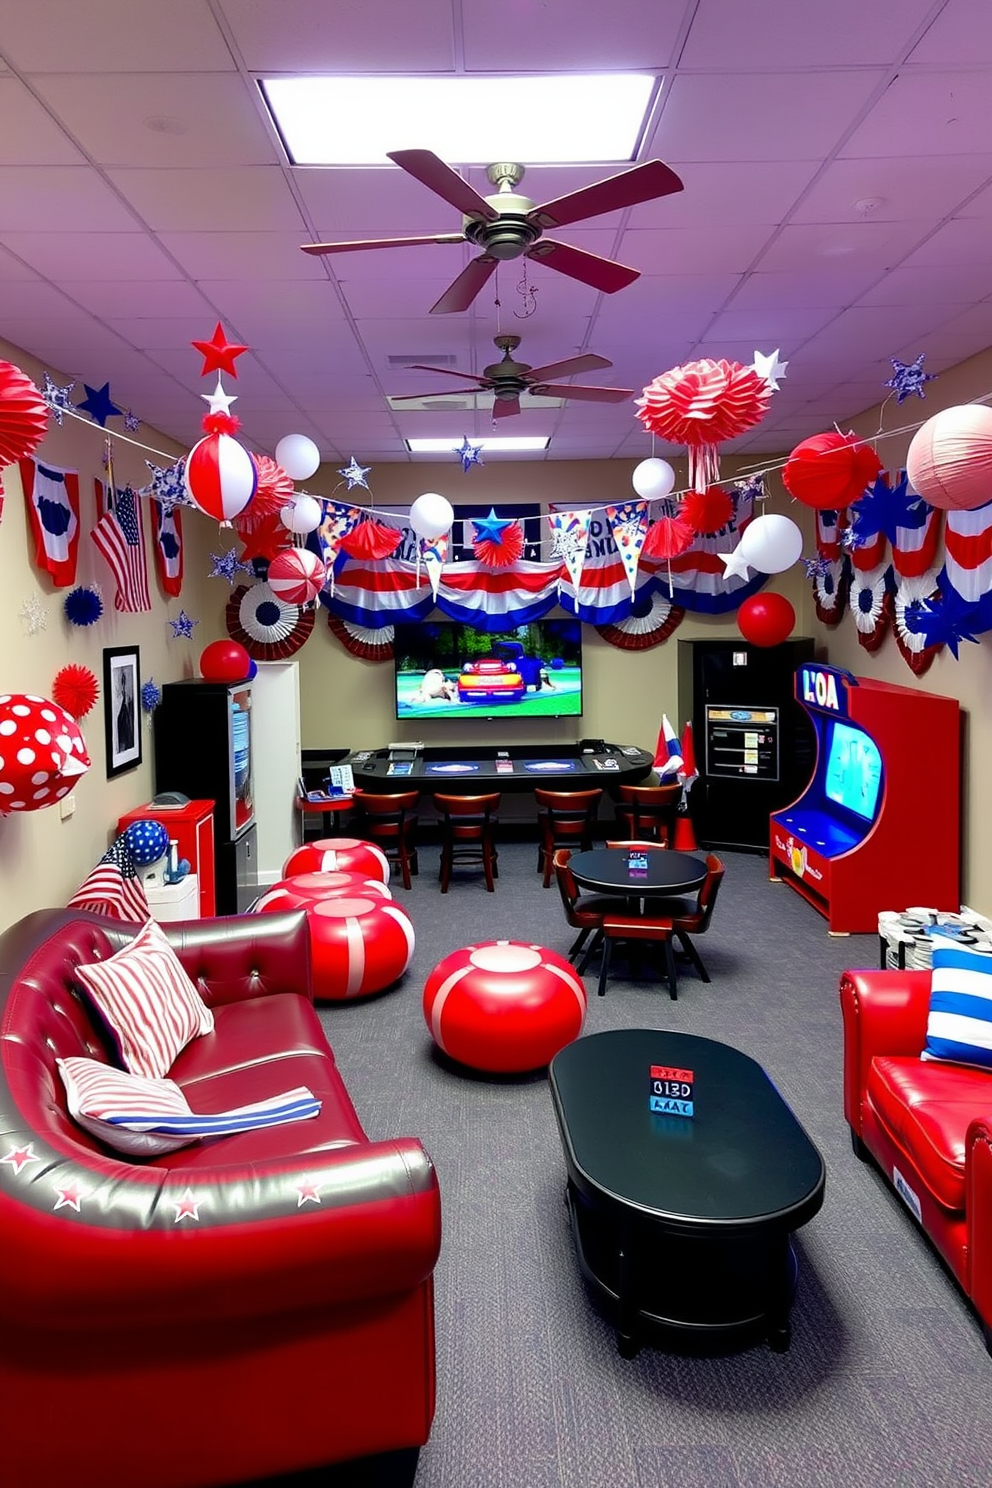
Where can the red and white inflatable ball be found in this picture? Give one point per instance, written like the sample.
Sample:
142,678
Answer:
42,752
296,576
338,855
304,889
504,1006
220,476
359,944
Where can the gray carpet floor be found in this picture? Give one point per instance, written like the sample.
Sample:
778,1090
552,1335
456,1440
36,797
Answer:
887,1380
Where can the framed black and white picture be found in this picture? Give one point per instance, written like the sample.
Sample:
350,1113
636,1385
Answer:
121,711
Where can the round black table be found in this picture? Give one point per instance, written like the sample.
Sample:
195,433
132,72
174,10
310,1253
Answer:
682,1222
608,871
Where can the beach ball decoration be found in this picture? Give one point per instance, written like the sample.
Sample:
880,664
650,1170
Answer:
431,515
771,543
700,405
296,576
830,470
148,841
220,475
298,456
653,479
766,619
42,752
224,661
950,458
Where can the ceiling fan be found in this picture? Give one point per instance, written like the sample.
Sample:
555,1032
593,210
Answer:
507,379
507,225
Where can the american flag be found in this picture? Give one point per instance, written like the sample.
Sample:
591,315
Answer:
114,888
120,538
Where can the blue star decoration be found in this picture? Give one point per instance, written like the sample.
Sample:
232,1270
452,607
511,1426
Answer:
491,528
167,486
151,695
816,568
182,626
943,621
56,399
355,474
99,404
470,454
885,508
132,423
227,566
908,377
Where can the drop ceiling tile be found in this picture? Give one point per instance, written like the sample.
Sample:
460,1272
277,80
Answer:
980,205
373,265
830,286
131,256
71,198
250,256
798,38
117,299
312,36
30,136
286,307
153,333
36,299
724,194
877,331
963,241
210,199
920,113
693,250
905,189
551,37
161,119
804,247
64,36
397,296
379,201
908,285
784,328
959,30
960,337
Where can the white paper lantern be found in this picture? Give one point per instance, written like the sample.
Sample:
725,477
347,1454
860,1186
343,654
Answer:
771,543
653,479
298,456
431,515
301,515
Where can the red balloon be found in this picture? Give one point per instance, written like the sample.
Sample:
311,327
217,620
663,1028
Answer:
225,661
766,619
830,470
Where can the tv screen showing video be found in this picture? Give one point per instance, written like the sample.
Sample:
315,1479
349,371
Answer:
853,774
444,669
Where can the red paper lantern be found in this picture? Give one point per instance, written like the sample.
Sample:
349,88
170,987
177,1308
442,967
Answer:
766,619
830,470
296,576
220,476
225,661
700,405
707,511
42,752
667,538
950,458
23,415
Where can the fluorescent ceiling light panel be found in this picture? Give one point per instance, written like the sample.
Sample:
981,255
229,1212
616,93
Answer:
505,443
472,121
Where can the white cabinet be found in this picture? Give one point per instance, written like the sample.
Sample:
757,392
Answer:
276,765
178,901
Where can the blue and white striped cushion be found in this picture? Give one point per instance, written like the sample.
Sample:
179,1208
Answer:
959,1028
145,1117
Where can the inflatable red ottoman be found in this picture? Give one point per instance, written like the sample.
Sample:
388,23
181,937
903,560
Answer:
303,889
359,944
504,1006
338,855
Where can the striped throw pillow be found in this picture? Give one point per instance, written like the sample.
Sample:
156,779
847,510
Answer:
959,1028
145,1118
148,1001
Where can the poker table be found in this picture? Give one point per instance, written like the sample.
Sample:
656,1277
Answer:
472,770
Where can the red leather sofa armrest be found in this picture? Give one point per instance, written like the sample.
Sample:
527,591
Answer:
885,1012
978,1207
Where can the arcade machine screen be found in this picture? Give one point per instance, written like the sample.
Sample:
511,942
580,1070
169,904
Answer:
853,774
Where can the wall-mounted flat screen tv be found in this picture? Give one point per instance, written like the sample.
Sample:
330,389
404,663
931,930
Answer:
445,669
853,775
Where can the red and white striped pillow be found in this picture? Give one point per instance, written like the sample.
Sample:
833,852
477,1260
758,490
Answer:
148,1001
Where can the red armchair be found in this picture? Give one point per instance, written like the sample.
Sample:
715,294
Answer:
927,1124
246,1307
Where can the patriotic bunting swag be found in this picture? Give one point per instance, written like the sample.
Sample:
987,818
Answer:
52,497
168,548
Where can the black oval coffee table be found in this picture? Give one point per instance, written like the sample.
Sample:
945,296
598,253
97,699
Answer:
682,1223
667,873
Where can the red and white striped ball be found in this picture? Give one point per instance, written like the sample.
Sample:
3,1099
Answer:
359,944
504,1006
304,889
296,576
220,476
338,855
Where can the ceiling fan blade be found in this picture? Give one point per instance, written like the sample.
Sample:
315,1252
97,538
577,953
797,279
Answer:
448,372
584,394
434,393
639,184
460,294
568,368
432,172
504,407
601,273
322,248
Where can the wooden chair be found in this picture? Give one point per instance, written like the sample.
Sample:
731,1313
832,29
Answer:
635,928
390,821
584,912
564,819
690,918
467,837
649,811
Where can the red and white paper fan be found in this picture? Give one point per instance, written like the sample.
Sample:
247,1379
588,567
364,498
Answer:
269,628
362,640
700,405
641,631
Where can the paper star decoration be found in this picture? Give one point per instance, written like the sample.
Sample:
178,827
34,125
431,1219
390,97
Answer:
735,565
132,423
851,539
470,454
945,621
769,367
908,377
227,566
816,568
99,404
166,485
182,626
219,354
218,401
355,474
885,508
34,615
57,399
491,528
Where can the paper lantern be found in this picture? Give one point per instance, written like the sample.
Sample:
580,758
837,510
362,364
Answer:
296,576
224,661
771,543
700,405
667,538
830,470
298,456
23,415
653,479
42,752
371,539
301,515
950,458
707,511
220,476
766,619
431,515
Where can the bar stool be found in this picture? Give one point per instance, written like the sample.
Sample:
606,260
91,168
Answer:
650,811
564,819
390,820
467,824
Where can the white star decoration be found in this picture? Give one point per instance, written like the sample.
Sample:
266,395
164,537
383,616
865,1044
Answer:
769,367
34,615
218,400
735,565
56,399
227,566
19,1157
355,474
167,485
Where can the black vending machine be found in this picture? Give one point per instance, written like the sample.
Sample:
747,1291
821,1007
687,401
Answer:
754,746
203,747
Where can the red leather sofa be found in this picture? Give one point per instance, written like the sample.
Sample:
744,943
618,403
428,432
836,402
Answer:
247,1307
927,1124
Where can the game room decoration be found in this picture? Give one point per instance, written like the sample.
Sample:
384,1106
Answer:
56,400
628,528
766,619
52,497
182,626
224,661
950,458
269,628
652,619
76,690
119,537
498,542
570,540
671,1091
431,515
353,474
42,752
361,640
219,354
167,485
82,606
653,479
910,615
219,473
707,511
370,539
470,454
301,515
771,543
296,576
227,566
702,404
908,378
33,615
99,404
23,417
151,695
167,545
830,470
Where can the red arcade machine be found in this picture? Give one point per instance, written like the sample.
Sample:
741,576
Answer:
878,825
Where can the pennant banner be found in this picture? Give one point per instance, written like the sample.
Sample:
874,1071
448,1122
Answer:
628,527
52,497
168,548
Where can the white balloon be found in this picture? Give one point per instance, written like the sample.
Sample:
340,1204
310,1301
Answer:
653,479
771,543
302,514
431,514
298,456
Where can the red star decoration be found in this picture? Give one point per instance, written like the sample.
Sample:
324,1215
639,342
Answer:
187,1207
19,1157
70,1196
218,353
268,539
309,1193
